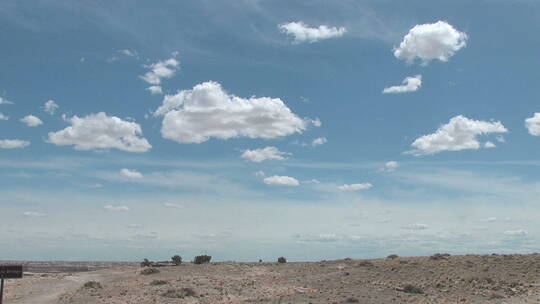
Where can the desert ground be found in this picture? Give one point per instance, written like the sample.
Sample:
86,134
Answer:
471,279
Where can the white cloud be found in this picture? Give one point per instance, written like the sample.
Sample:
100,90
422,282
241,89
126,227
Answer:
355,187
268,153
99,131
5,101
391,166
410,84
416,226
50,107
533,124
281,181
173,205
519,232
116,208
34,214
130,53
161,69
459,134
319,141
130,173
303,33
438,40
3,117
260,174
155,90
194,116
489,145
13,143
135,226
31,121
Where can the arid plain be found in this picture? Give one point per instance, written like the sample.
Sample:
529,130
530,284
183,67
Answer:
436,279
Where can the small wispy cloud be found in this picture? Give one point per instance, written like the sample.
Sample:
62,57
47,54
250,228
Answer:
116,208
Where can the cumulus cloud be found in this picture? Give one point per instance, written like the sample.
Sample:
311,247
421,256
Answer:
99,131
116,208
13,143
416,226
391,166
194,116
301,32
161,69
268,153
130,173
427,42
489,145
260,174
5,101
281,181
50,107
34,214
459,134
3,117
355,187
410,84
319,141
533,124
155,90
31,121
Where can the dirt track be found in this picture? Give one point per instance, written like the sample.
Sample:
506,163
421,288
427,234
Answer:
471,279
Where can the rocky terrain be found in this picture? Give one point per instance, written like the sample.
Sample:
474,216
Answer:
436,279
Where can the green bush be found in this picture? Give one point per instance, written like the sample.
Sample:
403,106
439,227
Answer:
282,260
158,282
177,260
392,256
201,259
148,271
146,263
179,294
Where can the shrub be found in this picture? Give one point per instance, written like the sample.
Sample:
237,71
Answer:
365,264
392,256
201,259
282,260
92,285
409,288
158,282
146,263
180,294
177,260
148,271
439,256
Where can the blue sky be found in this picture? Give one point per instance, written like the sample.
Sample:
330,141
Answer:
267,132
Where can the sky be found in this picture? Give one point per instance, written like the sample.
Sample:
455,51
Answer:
253,129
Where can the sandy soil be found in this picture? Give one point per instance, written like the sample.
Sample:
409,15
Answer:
471,279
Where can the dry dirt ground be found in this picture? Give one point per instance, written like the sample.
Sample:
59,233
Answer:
471,279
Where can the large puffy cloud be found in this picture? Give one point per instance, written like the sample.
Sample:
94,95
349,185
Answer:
460,133
410,84
533,124
355,187
99,131
194,116
31,121
161,69
281,181
267,153
303,33
427,42
13,143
